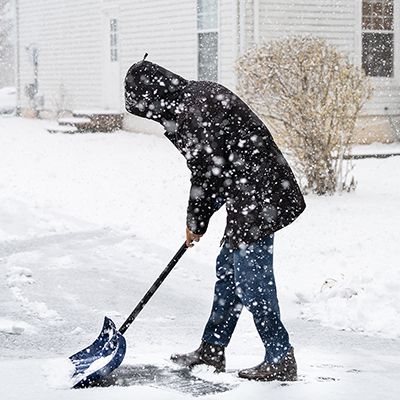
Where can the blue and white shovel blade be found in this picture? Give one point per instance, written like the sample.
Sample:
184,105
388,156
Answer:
102,357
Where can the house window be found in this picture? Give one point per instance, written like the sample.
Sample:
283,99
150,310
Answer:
207,35
113,40
378,37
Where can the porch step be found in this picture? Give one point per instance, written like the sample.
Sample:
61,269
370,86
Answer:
101,120
62,129
89,121
73,121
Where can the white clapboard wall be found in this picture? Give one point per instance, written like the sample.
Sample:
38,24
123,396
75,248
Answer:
73,40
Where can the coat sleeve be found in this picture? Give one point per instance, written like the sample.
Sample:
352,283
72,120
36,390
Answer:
206,163
204,200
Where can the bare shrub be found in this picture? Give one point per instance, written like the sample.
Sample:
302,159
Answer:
311,94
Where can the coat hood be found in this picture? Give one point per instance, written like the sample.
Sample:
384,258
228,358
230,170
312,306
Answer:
153,92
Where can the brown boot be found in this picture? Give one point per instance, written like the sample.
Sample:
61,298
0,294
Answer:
285,370
207,354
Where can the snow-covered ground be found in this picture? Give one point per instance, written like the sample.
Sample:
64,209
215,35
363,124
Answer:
88,221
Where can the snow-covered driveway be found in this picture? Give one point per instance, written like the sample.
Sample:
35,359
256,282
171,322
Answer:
88,221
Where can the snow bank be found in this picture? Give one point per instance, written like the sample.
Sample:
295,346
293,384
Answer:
58,373
358,303
344,268
15,327
18,276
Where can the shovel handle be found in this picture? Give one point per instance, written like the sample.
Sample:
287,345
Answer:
153,289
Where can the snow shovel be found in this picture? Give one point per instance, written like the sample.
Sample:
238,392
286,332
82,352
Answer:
106,353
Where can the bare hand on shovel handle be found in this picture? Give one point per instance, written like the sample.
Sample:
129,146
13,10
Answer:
191,237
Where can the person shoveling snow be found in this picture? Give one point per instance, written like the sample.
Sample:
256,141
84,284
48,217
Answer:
234,161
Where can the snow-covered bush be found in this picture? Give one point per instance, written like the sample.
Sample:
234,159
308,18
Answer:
311,94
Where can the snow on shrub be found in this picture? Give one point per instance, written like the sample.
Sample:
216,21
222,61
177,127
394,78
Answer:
311,94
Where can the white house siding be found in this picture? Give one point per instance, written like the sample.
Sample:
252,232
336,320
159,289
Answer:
66,34
228,41
249,31
71,40
230,36
167,30
333,20
339,22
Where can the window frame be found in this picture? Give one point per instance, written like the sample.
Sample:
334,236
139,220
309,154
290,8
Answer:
395,78
212,30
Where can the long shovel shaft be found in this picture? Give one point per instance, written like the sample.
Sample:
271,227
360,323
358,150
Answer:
153,289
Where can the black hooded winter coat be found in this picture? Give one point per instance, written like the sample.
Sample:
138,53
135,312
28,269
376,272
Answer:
230,152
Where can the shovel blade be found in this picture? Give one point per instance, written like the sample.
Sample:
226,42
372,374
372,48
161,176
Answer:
99,359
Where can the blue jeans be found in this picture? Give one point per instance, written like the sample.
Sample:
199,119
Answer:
246,277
